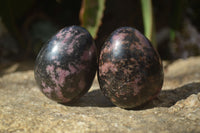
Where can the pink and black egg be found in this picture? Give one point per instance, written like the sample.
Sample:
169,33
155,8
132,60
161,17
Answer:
65,67
130,70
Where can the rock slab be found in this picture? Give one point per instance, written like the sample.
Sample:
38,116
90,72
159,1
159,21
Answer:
23,108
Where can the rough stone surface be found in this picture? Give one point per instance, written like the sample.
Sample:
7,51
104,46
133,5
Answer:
23,108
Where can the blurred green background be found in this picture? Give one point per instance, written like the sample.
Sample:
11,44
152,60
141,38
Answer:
171,25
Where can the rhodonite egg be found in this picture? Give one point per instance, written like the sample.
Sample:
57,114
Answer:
65,67
130,70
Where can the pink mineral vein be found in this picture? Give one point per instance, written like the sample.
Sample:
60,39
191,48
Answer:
108,49
60,34
43,84
70,48
57,62
107,66
78,68
127,71
50,69
62,74
59,81
47,90
120,36
54,57
72,69
135,86
74,41
67,36
60,95
137,46
142,39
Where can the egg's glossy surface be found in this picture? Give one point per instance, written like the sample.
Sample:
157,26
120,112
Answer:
130,70
66,65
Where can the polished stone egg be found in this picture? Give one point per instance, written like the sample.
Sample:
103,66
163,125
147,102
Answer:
65,67
130,70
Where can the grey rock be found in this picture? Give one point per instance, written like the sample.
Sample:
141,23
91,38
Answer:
23,108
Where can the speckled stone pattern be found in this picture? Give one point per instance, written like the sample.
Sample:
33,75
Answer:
130,69
66,65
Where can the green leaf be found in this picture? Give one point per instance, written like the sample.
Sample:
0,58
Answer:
91,15
149,27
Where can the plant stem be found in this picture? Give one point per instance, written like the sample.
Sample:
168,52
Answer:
149,29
